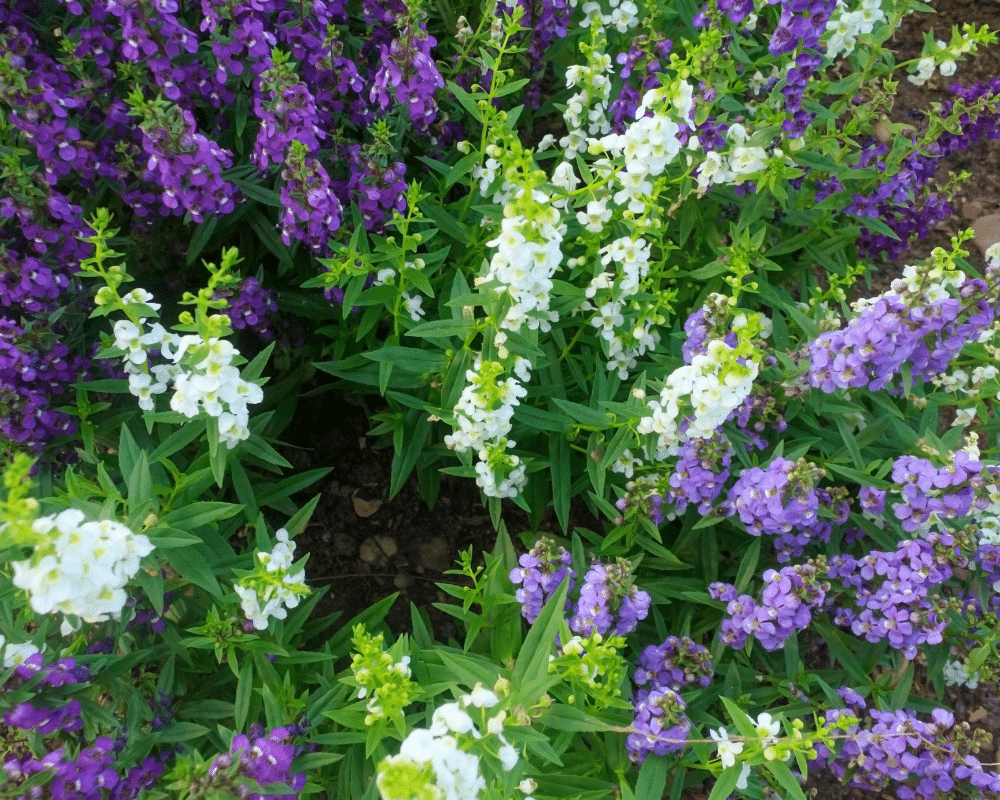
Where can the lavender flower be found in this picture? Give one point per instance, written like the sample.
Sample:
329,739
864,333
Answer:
783,501
920,759
784,609
608,592
659,725
542,569
674,664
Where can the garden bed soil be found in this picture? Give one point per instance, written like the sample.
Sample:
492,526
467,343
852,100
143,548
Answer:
365,546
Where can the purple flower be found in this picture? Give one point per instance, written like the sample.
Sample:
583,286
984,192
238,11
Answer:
542,569
659,725
608,592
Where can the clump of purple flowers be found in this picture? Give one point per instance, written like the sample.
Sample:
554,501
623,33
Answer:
46,717
790,594
931,494
674,664
644,59
916,323
783,501
406,73
920,759
251,308
264,760
35,369
756,414
311,212
608,593
542,569
893,592
659,726
700,474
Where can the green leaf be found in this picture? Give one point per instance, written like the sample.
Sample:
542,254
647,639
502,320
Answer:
128,453
466,100
559,467
179,439
568,718
788,782
254,191
179,732
194,515
726,782
583,414
902,691
442,328
200,238
298,523
511,87
192,563
244,693
531,677
244,489
835,641
268,236
253,370
258,448
289,486
409,359
415,433
652,777
448,225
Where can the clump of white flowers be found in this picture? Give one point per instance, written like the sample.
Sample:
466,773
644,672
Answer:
274,586
200,366
80,567
586,111
484,415
201,372
945,56
435,763
956,673
527,255
846,25
702,394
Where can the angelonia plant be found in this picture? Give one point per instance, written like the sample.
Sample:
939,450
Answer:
614,260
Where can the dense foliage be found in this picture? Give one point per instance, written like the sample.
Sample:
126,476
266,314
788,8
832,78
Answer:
595,251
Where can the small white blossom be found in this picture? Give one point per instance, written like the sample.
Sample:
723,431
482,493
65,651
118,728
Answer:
728,750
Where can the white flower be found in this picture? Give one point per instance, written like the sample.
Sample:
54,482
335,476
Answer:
142,386
451,717
925,68
480,698
728,750
82,568
16,654
741,783
413,306
767,729
508,757
746,160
